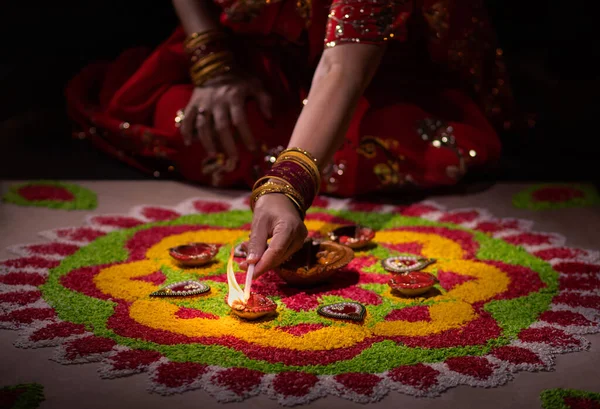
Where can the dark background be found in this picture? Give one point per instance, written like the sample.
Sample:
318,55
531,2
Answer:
551,49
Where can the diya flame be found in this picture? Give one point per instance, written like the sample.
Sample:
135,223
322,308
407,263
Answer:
251,308
235,298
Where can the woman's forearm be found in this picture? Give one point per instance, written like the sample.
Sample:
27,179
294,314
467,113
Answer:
339,81
196,16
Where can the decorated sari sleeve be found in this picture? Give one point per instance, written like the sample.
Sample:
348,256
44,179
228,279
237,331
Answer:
367,22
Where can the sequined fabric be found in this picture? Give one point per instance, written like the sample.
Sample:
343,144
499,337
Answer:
423,121
370,22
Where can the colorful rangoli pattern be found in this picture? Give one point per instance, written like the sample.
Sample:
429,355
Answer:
569,399
23,396
52,194
556,196
508,299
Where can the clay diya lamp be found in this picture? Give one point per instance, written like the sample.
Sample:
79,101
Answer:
194,254
182,289
405,264
353,236
315,262
352,311
241,250
413,283
254,307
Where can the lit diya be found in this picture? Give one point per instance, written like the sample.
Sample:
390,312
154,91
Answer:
405,264
413,283
353,236
315,262
194,254
251,306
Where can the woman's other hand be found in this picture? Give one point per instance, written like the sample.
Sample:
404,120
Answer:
218,109
275,217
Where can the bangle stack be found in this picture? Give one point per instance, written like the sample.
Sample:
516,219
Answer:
209,55
295,174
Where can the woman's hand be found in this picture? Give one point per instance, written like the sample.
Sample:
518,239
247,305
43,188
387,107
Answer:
216,109
275,217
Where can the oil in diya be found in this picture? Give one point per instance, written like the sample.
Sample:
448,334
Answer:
413,283
314,263
353,236
406,264
250,306
194,254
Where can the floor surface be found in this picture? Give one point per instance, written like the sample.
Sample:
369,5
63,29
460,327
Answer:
79,386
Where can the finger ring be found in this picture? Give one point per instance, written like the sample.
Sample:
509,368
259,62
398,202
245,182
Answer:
179,118
201,111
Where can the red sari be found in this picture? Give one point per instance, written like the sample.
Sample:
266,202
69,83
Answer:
425,119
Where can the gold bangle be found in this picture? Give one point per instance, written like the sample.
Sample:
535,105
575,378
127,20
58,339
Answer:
211,59
206,70
302,157
277,188
200,45
214,70
307,165
301,160
289,190
302,151
194,39
201,34
265,179
214,73
280,188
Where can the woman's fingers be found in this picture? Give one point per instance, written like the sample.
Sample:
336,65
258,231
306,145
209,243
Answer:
240,121
228,144
258,240
203,121
265,103
188,123
277,250
222,126
204,131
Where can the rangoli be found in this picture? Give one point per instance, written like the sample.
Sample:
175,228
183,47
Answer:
52,194
569,399
506,299
23,396
556,196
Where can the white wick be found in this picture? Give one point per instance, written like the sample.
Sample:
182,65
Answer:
249,275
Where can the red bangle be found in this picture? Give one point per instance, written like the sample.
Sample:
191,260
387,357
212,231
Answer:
298,177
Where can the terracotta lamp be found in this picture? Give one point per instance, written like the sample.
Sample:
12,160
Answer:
405,264
251,308
315,262
413,283
182,289
241,250
353,236
194,254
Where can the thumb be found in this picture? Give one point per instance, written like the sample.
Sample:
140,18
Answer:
258,241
